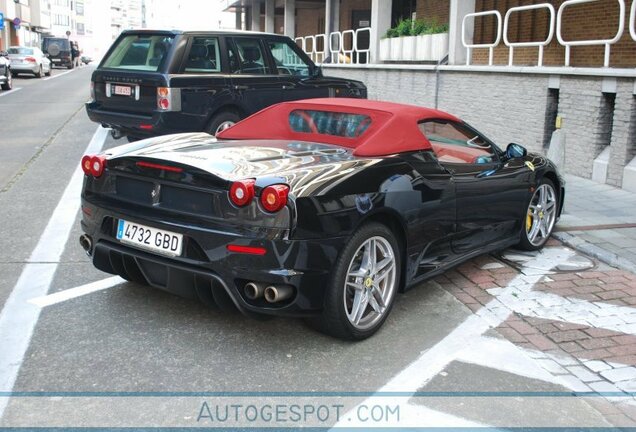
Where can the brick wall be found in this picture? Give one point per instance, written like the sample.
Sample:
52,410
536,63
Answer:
512,108
346,6
586,21
309,21
623,146
433,9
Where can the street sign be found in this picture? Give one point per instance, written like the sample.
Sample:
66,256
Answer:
1,21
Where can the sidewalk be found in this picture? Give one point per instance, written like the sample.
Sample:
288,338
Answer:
599,220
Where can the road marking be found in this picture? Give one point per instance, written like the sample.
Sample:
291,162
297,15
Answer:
5,93
548,306
466,335
58,75
19,317
79,291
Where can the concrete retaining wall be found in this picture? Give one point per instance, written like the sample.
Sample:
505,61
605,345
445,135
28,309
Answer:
513,107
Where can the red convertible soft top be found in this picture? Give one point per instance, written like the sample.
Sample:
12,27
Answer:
393,127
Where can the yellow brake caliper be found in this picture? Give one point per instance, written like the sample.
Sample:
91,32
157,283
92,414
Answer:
528,221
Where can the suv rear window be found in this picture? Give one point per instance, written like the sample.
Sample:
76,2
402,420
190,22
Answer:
338,124
139,52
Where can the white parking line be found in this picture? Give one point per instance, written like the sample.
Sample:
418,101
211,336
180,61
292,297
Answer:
19,317
5,93
79,291
58,75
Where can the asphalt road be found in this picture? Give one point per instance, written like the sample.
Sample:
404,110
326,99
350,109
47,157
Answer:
129,338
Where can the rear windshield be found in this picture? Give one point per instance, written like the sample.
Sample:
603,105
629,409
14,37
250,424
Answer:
23,51
139,52
338,124
63,44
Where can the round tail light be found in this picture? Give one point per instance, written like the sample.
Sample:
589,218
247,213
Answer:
274,198
86,164
242,192
98,163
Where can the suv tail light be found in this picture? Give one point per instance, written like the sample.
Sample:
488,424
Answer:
242,192
92,90
274,198
168,99
93,165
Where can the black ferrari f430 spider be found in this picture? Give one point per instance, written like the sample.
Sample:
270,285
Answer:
322,208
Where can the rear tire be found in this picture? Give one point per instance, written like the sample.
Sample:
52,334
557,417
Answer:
222,121
39,73
49,72
366,273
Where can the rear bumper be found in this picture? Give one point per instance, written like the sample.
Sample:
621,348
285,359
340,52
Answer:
30,68
208,271
145,125
61,61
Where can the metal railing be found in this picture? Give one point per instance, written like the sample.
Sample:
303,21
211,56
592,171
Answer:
490,46
607,42
540,44
632,21
555,27
342,47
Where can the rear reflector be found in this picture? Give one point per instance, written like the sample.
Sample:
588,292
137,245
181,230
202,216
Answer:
250,250
145,126
143,164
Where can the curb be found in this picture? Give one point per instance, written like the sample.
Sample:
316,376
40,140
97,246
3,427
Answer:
604,255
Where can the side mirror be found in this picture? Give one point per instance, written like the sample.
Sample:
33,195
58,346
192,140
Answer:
4,54
316,72
515,150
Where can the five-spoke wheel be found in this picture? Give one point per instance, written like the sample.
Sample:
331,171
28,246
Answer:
540,216
370,282
364,284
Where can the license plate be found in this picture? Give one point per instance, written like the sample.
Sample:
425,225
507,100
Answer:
56,60
161,241
122,90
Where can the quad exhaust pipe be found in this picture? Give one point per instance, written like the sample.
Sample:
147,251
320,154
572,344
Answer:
272,293
86,243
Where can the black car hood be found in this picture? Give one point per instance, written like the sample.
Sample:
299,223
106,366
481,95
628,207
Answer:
307,167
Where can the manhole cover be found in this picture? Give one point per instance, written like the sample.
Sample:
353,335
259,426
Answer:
561,260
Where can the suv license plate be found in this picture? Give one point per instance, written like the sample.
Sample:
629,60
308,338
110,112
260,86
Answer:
122,90
164,242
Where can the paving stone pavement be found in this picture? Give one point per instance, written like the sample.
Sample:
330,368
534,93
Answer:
578,325
599,220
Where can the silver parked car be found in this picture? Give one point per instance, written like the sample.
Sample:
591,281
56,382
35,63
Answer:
29,60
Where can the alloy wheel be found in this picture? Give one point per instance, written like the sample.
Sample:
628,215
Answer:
541,214
225,125
370,283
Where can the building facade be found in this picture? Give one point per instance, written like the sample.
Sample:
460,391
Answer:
516,69
25,21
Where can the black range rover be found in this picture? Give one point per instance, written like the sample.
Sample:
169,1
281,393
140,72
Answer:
160,82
